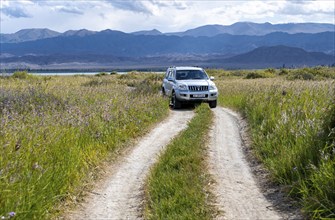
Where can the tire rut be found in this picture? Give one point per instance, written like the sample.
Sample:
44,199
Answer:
237,193
120,195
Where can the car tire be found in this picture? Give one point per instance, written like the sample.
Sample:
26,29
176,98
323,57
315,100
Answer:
163,92
175,103
212,104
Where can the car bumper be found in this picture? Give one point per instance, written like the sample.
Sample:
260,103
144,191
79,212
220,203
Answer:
203,96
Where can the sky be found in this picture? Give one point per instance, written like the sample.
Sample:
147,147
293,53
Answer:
163,15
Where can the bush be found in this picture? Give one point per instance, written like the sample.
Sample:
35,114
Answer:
283,71
300,74
21,75
101,74
270,70
254,75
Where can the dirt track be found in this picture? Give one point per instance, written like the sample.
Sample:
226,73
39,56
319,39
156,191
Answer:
238,195
120,195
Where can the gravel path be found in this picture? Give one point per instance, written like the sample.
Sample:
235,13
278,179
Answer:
238,196
120,196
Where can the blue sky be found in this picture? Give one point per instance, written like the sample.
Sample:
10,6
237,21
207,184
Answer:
164,15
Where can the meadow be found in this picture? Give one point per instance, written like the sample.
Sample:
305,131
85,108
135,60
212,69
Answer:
291,114
56,132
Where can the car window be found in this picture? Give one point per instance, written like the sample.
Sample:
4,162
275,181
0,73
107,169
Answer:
190,74
173,74
168,73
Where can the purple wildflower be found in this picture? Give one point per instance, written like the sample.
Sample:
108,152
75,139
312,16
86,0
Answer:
11,214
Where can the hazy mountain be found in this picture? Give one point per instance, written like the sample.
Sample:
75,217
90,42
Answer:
151,32
239,28
249,28
263,57
28,35
278,56
212,45
129,45
80,33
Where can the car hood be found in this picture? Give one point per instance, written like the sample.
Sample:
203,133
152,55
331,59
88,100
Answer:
196,82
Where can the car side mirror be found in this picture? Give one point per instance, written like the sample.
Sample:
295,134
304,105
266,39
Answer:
212,78
170,79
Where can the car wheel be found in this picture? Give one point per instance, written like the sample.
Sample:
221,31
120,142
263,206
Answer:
212,104
175,103
163,92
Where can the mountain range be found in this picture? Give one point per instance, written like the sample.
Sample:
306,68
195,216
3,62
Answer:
243,44
239,28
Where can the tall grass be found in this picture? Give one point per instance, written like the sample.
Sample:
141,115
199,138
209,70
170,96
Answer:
292,128
314,73
56,132
176,188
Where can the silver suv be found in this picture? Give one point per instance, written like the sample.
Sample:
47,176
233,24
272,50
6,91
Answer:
189,84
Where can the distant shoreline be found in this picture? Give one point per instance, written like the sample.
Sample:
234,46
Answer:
84,70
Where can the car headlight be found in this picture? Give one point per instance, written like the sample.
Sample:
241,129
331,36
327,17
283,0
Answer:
212,87
182,87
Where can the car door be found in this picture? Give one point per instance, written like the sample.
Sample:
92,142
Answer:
168,85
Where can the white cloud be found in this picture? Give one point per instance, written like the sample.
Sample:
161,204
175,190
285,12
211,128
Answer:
12,10
134,6
15,12
308,8
164,15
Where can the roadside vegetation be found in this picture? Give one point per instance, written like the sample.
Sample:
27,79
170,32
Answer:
57,131
176,187
291,114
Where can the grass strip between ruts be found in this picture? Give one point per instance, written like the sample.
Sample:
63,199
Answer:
176,187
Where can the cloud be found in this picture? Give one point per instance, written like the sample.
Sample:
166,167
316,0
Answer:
164,15
70,10
134,6
150,7
15,12
307,8
15,9
299,1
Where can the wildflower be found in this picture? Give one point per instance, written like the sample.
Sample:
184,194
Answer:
11,214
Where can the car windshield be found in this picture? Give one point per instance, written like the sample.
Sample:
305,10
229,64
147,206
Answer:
190,74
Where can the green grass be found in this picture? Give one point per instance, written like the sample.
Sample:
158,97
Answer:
292,128
176,188
57,131
314,73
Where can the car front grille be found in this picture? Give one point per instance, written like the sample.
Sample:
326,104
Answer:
198,88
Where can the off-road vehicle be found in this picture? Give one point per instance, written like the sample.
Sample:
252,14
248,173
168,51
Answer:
189,84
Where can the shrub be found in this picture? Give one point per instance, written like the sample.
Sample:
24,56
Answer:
270,70
21,75
101,74
254,75
283,71
301,74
